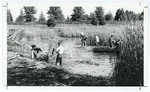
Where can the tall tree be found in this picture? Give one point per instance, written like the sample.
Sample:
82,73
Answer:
100,15
20,19
141,16
29,13
109,16
68,19
94,20
131,15
9,17
78,14
42,19
120,15
56,12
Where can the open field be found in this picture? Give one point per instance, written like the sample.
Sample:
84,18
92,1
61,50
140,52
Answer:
80,66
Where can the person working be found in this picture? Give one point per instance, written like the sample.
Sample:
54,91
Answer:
111,41
117,46
96,40
34,51
60,51
83,39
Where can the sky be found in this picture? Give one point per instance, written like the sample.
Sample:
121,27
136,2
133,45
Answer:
67,7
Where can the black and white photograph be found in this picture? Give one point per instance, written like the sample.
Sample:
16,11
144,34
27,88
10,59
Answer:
77,44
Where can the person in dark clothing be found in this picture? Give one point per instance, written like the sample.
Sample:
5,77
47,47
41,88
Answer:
38,50
83,40
111,41
35,51
117,46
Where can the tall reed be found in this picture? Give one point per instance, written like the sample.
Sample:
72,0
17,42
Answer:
129,69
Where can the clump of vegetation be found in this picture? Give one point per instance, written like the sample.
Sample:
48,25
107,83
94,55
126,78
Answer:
42,19
56,13
29,13
94,21
20,20
100,15
51,22
109,16
129,71
9,17
78,14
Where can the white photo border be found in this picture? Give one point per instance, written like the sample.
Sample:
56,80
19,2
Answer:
145,88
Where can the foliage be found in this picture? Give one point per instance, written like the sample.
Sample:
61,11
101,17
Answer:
56,12
68,20
94,20
29,13
100,15
20,19
42,19
131,15
141,16
129,71
9,17
109,16
120,15
51,22
78,14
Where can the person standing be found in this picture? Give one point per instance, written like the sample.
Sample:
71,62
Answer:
83,39
96,40
59,51
118,46
111,41
33,52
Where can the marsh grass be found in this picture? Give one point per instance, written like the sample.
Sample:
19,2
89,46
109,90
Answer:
103,32
129,70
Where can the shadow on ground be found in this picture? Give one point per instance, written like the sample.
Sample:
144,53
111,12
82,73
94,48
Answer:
50,76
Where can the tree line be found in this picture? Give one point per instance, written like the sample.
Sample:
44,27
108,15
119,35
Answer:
78,16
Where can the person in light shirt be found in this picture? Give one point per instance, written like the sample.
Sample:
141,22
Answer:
96,40
60,51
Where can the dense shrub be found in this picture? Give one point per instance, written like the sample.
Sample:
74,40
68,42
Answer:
102,21
51,22
94,21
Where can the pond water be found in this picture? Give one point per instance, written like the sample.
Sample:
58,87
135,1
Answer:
82,60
